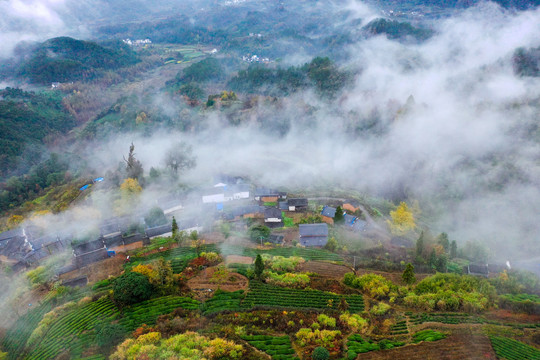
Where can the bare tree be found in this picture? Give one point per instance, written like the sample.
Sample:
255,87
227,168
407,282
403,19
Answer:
180,158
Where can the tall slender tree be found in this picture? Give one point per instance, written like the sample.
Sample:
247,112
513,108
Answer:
134,169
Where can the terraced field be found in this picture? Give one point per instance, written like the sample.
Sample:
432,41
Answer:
511,349
272,296
148,311
456,346
70,331
19,333
278,347
222,301
179,257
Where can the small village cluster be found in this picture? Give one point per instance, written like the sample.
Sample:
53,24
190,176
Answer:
230,199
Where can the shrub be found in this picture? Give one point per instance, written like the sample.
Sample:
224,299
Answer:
374,285
211,257
320,353
380,309
354,322
327,321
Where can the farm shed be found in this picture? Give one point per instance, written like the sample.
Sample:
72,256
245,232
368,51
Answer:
313,234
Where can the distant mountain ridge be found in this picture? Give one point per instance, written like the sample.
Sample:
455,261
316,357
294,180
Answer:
517,4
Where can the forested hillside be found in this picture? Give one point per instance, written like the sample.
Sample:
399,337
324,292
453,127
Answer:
66,59
27,121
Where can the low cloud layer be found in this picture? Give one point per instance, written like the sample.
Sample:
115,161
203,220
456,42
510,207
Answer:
446,122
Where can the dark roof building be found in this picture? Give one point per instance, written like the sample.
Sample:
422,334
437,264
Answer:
477,269
313,234
91,257
158,230
273,217
134,238
297,204
12,234
89,246
113,241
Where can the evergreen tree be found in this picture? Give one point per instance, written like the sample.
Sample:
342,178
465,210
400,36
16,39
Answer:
259,266
174,227
338,216
433,259
408,274
453,249
440,264
420,245
443,241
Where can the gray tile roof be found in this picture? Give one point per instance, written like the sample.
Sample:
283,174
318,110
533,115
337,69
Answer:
328,211
298,202
272,212
313,229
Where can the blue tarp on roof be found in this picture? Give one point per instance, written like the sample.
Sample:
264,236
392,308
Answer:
219,206
98,179
85,187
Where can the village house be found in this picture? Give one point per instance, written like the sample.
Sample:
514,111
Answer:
170,204
14,246
297,204
273,217
244,212
328,214
269,195
313,234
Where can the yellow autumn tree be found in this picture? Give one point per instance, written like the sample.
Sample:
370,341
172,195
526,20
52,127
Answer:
14,221
147,271
402,220
129,195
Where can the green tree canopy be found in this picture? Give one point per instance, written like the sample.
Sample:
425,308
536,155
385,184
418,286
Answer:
131,288
155,217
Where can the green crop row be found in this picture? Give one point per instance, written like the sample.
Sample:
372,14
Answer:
223,300
513,350
67,330
358,345
179,257
148,311
278,347
428,335
17,336
274,296
306,253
